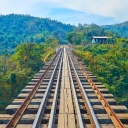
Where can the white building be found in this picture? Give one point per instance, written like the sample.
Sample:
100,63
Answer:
99,39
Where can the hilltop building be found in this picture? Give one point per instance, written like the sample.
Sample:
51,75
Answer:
99,39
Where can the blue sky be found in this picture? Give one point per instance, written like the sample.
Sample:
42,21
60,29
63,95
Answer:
70,11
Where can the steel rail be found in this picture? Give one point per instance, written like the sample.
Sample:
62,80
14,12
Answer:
75,98
52,114
37,121
93,118
116,121
16,117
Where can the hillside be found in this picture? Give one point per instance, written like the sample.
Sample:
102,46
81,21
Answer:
121,29
18,68
83,33
15,29
110,64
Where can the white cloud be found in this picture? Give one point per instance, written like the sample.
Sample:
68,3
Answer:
116,9
112,8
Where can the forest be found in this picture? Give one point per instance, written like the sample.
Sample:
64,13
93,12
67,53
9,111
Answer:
25,41
15,29
83,33
109,62
121,29
16,70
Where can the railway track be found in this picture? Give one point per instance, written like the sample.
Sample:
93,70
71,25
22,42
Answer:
64,94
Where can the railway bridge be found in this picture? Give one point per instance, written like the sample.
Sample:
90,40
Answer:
64,94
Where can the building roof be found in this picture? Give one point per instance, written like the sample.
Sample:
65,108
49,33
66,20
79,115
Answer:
100,37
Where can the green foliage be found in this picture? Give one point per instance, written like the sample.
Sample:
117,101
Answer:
121,29
17,69
52,41
15,29
75,38
13,78
83,34
29,55
110,64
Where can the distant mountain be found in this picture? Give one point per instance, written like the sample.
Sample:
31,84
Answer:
15,29
120,29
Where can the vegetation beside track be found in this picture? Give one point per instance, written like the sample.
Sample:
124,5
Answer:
109,62
17,70
49,55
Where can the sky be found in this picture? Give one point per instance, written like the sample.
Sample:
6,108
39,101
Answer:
73,12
